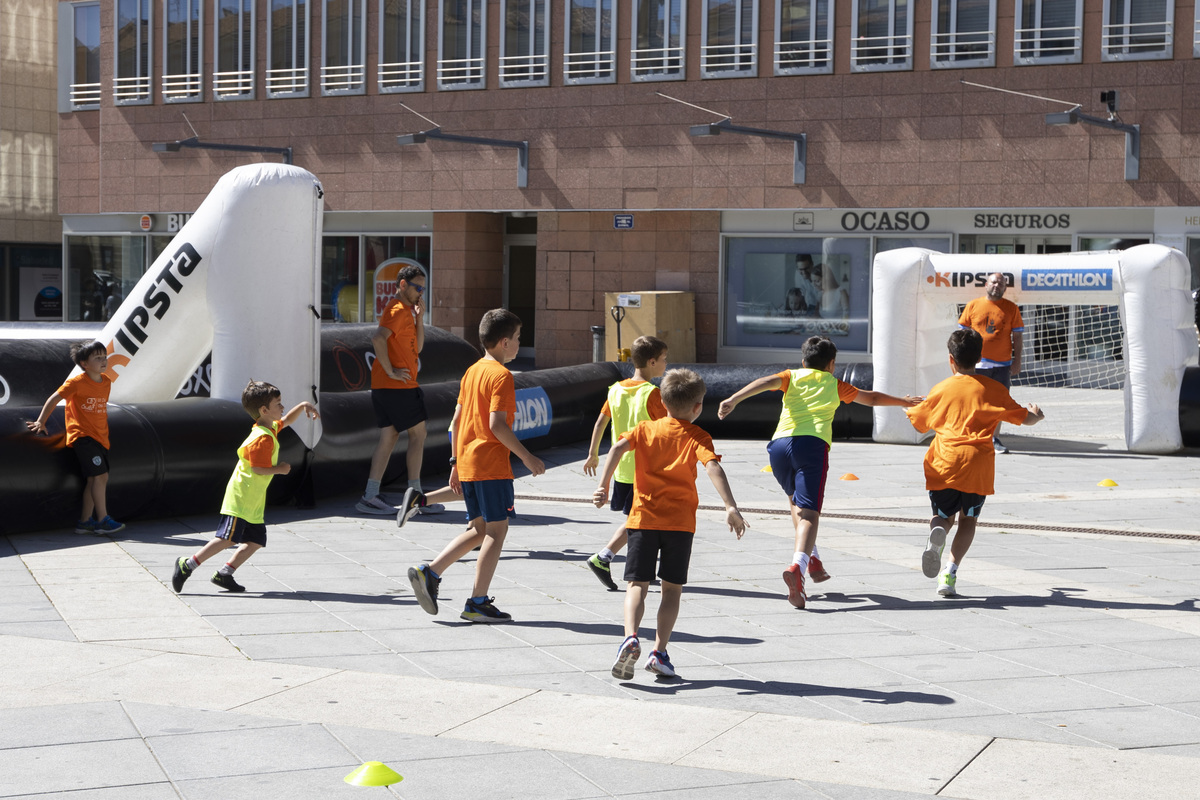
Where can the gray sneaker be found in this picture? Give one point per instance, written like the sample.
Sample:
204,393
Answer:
408,507
431,508
375,505
931,559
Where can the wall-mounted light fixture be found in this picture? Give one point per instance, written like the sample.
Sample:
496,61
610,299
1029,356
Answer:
522,148
179,144
1133,133
799,142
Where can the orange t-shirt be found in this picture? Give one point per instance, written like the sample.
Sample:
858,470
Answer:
87,407
401,348
996,321
964,410
664,482
487,386
654,403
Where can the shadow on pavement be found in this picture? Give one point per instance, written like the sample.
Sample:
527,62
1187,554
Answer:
668,686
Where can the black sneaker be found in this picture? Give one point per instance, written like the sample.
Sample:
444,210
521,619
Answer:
227,583
603,570
425,587
182,573
413,500
484,612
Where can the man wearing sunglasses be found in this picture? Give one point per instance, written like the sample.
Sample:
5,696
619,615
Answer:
398,400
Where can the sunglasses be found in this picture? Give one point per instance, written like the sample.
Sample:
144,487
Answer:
420,289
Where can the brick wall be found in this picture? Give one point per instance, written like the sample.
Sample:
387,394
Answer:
468,270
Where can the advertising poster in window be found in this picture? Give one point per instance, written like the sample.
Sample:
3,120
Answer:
41,294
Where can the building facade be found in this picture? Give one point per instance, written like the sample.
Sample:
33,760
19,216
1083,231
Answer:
664,147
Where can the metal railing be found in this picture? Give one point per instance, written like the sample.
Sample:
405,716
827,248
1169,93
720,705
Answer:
460,71
732,58
524,68
291,80
1039,45
1137,40
881,52
400,75
812,54
85,94
128,90
343,78
596,65
959,48
235,83
655,62
184,86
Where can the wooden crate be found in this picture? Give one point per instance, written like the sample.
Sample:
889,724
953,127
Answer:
671,316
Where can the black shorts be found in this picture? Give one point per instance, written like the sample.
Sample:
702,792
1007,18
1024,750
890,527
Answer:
92,457
671,551
948,502
1002,374
622,497
399,408
238,531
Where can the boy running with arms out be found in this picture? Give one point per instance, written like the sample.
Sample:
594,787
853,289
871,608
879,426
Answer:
662,523
246,493
629,402
799,448
86,413
960,465
482,438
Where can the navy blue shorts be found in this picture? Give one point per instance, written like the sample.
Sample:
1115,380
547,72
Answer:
948,502
622,497
801,464
91,455
399,408
1002,374
238,531
670,551
492,500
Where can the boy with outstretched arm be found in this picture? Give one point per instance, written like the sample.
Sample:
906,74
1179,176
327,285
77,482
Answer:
246,493
482,438
662,522
799,448
86,413
629,402
960,465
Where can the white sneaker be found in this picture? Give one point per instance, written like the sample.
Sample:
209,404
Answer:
931,559
375,505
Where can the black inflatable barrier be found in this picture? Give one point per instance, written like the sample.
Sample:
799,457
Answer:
1189,407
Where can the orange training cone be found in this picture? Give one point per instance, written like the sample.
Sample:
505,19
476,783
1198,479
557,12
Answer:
373,773
849,476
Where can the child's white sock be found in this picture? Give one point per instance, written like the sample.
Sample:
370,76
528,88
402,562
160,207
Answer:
953,568
816,553
227,569
192,563
606,554
372,489
801,559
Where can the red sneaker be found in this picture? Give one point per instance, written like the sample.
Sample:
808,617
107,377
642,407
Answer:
816,570
794,579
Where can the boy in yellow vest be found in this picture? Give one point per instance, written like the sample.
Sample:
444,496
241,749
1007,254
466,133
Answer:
246,493
799,449
629,402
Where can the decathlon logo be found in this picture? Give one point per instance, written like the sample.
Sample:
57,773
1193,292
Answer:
1070,280
534,413
966,278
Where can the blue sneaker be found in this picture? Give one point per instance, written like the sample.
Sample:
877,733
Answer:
660,664
85,526
109,525
627,656
425,587
484,611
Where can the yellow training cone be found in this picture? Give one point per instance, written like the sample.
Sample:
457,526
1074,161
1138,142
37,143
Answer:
849,476
373,773
767,468
1107,482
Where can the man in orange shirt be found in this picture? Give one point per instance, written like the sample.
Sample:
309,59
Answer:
999,322
482,438
960,465
662,522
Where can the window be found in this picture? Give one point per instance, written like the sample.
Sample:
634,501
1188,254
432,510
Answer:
881,35
525,43
234,50
1048,32
964,34
401,46
659,34
804,45
730,35
101,270
590,55
461,43
79,46
349,263
131,72
182,41
1137,30
344,69
287,49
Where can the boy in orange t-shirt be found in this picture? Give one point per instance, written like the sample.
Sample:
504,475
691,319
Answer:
482,438
86,395
960,465
662,522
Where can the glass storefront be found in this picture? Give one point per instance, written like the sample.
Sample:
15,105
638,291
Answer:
100,272
348,271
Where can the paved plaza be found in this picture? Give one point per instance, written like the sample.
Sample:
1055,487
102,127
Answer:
1068,667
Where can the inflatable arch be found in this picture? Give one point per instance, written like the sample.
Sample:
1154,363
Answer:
914,297
240,280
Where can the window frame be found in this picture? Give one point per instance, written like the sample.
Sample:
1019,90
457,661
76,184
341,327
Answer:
1109,52
477,61
534,61
597,65
951,41
777,53
388,72
1021,26
639,75
740,51
857,62
243,79
185,87
299,84
345,79
141,87
77,96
